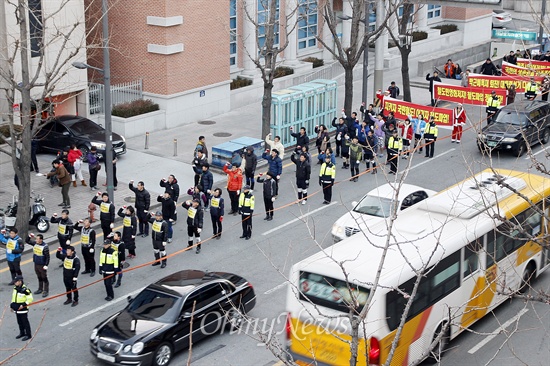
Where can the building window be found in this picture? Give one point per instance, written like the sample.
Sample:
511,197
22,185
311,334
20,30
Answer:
434,11
36,27
263,18
307,24
232,32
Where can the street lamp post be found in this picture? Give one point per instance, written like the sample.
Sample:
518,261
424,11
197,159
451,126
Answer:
107,98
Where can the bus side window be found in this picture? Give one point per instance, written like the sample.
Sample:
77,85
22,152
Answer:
490,252
471,260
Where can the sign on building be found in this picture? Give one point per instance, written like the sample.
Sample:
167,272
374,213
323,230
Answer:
513,34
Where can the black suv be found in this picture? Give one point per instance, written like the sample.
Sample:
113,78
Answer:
517,126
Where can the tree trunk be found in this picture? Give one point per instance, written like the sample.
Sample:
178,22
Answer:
266,109
354,347
405,52
348,89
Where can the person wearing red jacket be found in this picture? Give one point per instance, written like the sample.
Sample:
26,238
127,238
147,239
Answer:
459,120
234,185
74,157
406,133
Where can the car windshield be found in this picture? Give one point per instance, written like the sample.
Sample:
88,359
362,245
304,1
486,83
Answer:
154,305
511,118
375,206
83,127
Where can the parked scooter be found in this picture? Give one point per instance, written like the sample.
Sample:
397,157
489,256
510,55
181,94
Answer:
37,215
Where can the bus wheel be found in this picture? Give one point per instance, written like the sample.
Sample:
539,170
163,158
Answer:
527,278
439,348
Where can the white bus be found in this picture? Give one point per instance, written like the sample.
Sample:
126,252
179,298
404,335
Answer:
472,259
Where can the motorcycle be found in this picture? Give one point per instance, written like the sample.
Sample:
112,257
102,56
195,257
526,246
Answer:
37,215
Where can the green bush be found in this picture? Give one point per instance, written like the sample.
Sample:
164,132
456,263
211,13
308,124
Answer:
317,62
239,82
134,108
419,35
283,71
446,28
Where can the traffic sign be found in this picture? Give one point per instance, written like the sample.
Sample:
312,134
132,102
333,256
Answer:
513,34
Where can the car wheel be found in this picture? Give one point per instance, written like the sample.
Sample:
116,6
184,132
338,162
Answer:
42,225
440,347
527,278
163,354
84,150
545,136
235,318
520,149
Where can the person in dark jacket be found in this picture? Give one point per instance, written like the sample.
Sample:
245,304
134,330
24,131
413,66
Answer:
303,173
64,228
302,138
129,229
274,163
108,263
71,269
120,246
159,236
168,212
431,79
171,185
194,222
107,212
217,207
246,209
488,68
93,167
341,131
41,259
394,90
21,298
250,163
206,182
198,162
64,178
143,202
197,193
270,193
322,135
87,239
14,247
34,161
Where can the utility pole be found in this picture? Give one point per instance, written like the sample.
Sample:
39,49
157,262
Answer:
541,28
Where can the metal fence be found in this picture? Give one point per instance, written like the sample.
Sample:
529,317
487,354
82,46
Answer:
120,93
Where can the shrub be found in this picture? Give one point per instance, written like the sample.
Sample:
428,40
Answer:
419,35
446,28
239,82
317,62
283,71
5,129
134,108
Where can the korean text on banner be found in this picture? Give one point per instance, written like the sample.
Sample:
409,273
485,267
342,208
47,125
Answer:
513,70
459,94
500,82
533,64
401,109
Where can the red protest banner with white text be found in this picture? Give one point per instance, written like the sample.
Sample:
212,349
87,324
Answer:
459,94
500,82
533,64
513,70
443,117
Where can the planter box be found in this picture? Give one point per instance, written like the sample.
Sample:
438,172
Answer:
138,125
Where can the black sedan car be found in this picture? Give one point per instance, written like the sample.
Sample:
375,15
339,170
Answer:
160,320
62,131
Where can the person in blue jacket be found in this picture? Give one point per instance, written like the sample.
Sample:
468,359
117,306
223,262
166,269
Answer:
419,125
274,163
14,247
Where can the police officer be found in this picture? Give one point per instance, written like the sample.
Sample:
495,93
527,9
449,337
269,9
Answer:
493,104
20,300
64,228
430,135
159,235
107,212
41,259
120,246
395,145
194,222
108,263
71,268
303,173
531,90
327,174
246,208
87,239
143,201
14,248
129,229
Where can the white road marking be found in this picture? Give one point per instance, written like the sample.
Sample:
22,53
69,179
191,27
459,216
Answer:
431,159
497,331
538,152
104,306
298,218
275,288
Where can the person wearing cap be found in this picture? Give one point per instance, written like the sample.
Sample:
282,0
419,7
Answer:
275,144
71,269
206,182
129,229
217,206
274,163
394,90
87,239
234,185
432,79
168,212
143,201
250,164
41,259
303,173
246,209
531,89
120,246
395,145
327,174
14,247
21,298
159,236
493,104
64,178
107,212
195,219
459,120
430,135
108,263
270,191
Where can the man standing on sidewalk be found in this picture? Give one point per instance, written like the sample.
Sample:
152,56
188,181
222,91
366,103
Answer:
20,300
64,182
41,259
194,222
108,263
107,212
71,268
143,201
87,239
14,248
159,236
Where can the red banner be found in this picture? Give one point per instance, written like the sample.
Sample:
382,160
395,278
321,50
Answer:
533,64
402,109
459,94
500,82
513,70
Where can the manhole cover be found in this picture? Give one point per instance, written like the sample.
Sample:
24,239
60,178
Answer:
222,134
207,122
130,199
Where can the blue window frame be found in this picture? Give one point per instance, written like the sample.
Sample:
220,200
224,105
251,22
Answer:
434,11
263,17
232,32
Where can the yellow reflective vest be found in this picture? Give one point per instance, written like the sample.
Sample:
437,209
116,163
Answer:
21,296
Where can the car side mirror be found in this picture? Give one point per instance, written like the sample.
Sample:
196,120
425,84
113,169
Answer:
184,316
354,203
129,298
65,133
